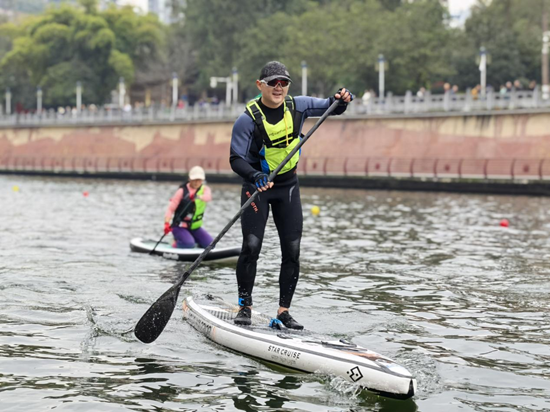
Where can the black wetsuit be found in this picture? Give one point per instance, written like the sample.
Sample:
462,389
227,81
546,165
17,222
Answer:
283,197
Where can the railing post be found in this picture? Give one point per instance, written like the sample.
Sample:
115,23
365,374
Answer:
512,169
388,102
427,101
408,101
389,166
411,168
435,167
535,97
468,100
513,98
485,168
446,101
490,99
370,104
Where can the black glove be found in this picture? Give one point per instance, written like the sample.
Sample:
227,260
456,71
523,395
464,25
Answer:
260,179
342,102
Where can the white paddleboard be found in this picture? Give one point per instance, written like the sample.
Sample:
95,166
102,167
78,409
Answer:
165,249
299,350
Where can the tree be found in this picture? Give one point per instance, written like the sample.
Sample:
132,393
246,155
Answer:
216,27
417,49
67,44
512,35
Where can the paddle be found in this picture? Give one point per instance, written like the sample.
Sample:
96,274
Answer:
153,322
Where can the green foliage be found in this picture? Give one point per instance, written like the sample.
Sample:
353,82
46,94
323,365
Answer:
416,50
339,40
390,4
339,54
67,44
90,6
511,33
216,27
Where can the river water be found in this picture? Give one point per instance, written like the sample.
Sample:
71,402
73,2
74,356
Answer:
429,279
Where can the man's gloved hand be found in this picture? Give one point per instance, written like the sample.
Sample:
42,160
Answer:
344,95
167,228
260,180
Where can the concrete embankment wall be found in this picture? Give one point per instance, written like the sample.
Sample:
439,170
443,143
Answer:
506,146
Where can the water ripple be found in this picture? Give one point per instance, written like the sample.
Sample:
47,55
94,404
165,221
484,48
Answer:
431,280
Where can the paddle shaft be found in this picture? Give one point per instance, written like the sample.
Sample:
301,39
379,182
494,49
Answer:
160,240
153,322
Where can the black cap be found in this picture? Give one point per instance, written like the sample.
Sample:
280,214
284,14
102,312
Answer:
274,70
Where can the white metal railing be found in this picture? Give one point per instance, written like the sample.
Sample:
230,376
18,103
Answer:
443,103
390,105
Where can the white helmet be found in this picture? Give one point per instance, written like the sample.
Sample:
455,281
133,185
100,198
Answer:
197,172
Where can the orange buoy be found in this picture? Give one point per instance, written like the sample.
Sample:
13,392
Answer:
504,223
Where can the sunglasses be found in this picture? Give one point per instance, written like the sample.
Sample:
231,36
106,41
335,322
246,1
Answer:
275,82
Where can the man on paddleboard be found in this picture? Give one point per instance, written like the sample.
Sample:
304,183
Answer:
262,137
185,212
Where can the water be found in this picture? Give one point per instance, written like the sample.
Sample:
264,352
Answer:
430,280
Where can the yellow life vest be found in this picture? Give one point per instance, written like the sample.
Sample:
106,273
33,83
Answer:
195,211
278,139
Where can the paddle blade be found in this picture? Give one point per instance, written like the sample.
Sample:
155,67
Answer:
153,322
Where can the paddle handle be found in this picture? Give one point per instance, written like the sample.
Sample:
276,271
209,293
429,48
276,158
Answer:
272,176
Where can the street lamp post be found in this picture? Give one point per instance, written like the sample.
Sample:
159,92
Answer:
381,75
174,95
174,89
8,101
483,70
235,82
78,96
121,93
304,78
39,100
545,76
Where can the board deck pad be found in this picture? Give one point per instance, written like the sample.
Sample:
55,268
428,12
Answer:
227,312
